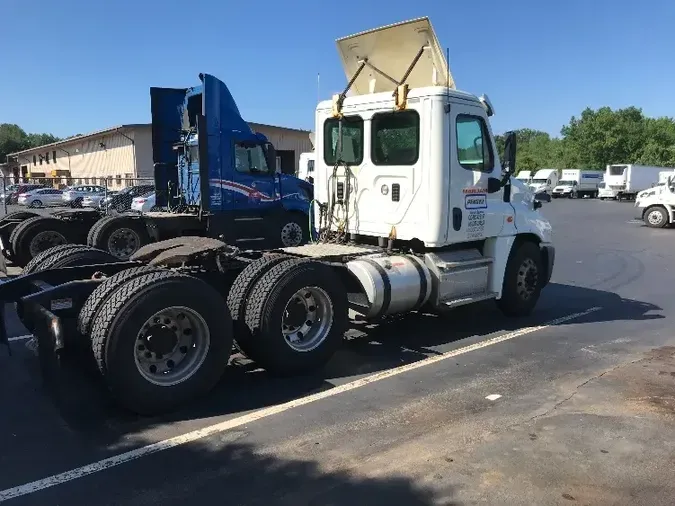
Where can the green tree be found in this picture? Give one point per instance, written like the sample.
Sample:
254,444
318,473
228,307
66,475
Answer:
13,138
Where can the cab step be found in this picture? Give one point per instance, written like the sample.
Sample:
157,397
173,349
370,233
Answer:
470,299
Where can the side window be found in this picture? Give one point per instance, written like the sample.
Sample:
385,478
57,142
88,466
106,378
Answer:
310,166
395,138
352,140
250,159
474,149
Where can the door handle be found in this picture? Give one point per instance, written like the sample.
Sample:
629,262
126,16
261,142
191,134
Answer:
456,219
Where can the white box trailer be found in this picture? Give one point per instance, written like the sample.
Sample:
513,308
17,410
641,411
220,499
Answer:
576,183
624,181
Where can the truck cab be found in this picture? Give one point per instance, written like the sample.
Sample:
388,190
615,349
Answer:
545,180
208,162
416,163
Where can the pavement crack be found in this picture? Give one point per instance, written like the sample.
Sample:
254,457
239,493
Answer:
576,389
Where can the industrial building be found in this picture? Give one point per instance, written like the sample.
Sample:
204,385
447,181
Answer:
124,153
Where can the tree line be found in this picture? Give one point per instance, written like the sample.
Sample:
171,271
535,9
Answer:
597,138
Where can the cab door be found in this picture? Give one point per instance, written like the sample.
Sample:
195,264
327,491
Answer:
474,213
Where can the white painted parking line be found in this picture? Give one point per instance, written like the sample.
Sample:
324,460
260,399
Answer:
190,437
20,338
493,397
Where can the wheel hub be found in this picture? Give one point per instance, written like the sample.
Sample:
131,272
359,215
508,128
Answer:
291,234
45,240
528,277
161,340
654,218
307,319
123,242
172,345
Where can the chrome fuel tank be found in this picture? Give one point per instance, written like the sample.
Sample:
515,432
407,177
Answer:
392,284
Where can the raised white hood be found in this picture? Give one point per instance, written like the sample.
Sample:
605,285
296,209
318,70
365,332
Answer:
392,49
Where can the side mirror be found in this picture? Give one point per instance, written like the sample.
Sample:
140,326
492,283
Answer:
493,185
509,163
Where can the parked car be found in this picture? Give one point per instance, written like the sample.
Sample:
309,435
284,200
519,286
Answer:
11,194
121,201
96,200
74,195
41,197
144,203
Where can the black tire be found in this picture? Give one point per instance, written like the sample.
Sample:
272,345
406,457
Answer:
265,309
118,322
94,228
35,264
241,289
26,237
293,230
80,256
525,260
135,232
36,203
103,291
656,217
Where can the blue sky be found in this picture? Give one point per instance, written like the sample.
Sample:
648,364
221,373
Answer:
75,66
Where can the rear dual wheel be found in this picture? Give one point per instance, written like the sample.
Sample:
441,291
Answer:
291,317
160,339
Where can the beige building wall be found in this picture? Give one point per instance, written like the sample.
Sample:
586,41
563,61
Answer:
143,142
286,139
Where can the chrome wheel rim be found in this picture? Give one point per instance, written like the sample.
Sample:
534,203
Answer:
528,277
172,346
655,218
123,243
45,240
291,234
307,319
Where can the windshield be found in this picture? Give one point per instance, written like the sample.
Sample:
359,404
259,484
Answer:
616,170
250,158
540,181
565,182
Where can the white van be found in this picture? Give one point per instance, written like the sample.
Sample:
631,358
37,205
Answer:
306,167
578,184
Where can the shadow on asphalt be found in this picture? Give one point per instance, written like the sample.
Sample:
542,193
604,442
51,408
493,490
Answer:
85,406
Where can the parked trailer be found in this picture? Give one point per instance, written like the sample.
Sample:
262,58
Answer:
452,229
624,181
578,184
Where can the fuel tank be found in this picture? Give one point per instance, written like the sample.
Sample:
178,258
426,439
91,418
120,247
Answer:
392,284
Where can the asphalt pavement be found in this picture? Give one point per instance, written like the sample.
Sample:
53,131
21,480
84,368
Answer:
572,405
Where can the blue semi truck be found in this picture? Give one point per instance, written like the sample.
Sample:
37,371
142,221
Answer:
222,185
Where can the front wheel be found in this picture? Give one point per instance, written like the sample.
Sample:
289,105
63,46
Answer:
523,280
35,204
656,217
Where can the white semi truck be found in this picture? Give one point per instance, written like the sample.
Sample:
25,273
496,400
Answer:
544,181
414,211
578,184
657,204
624,181
524,176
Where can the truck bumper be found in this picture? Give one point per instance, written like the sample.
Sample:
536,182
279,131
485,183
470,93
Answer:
549,253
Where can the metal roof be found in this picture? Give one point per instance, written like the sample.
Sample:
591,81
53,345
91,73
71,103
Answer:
78,138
